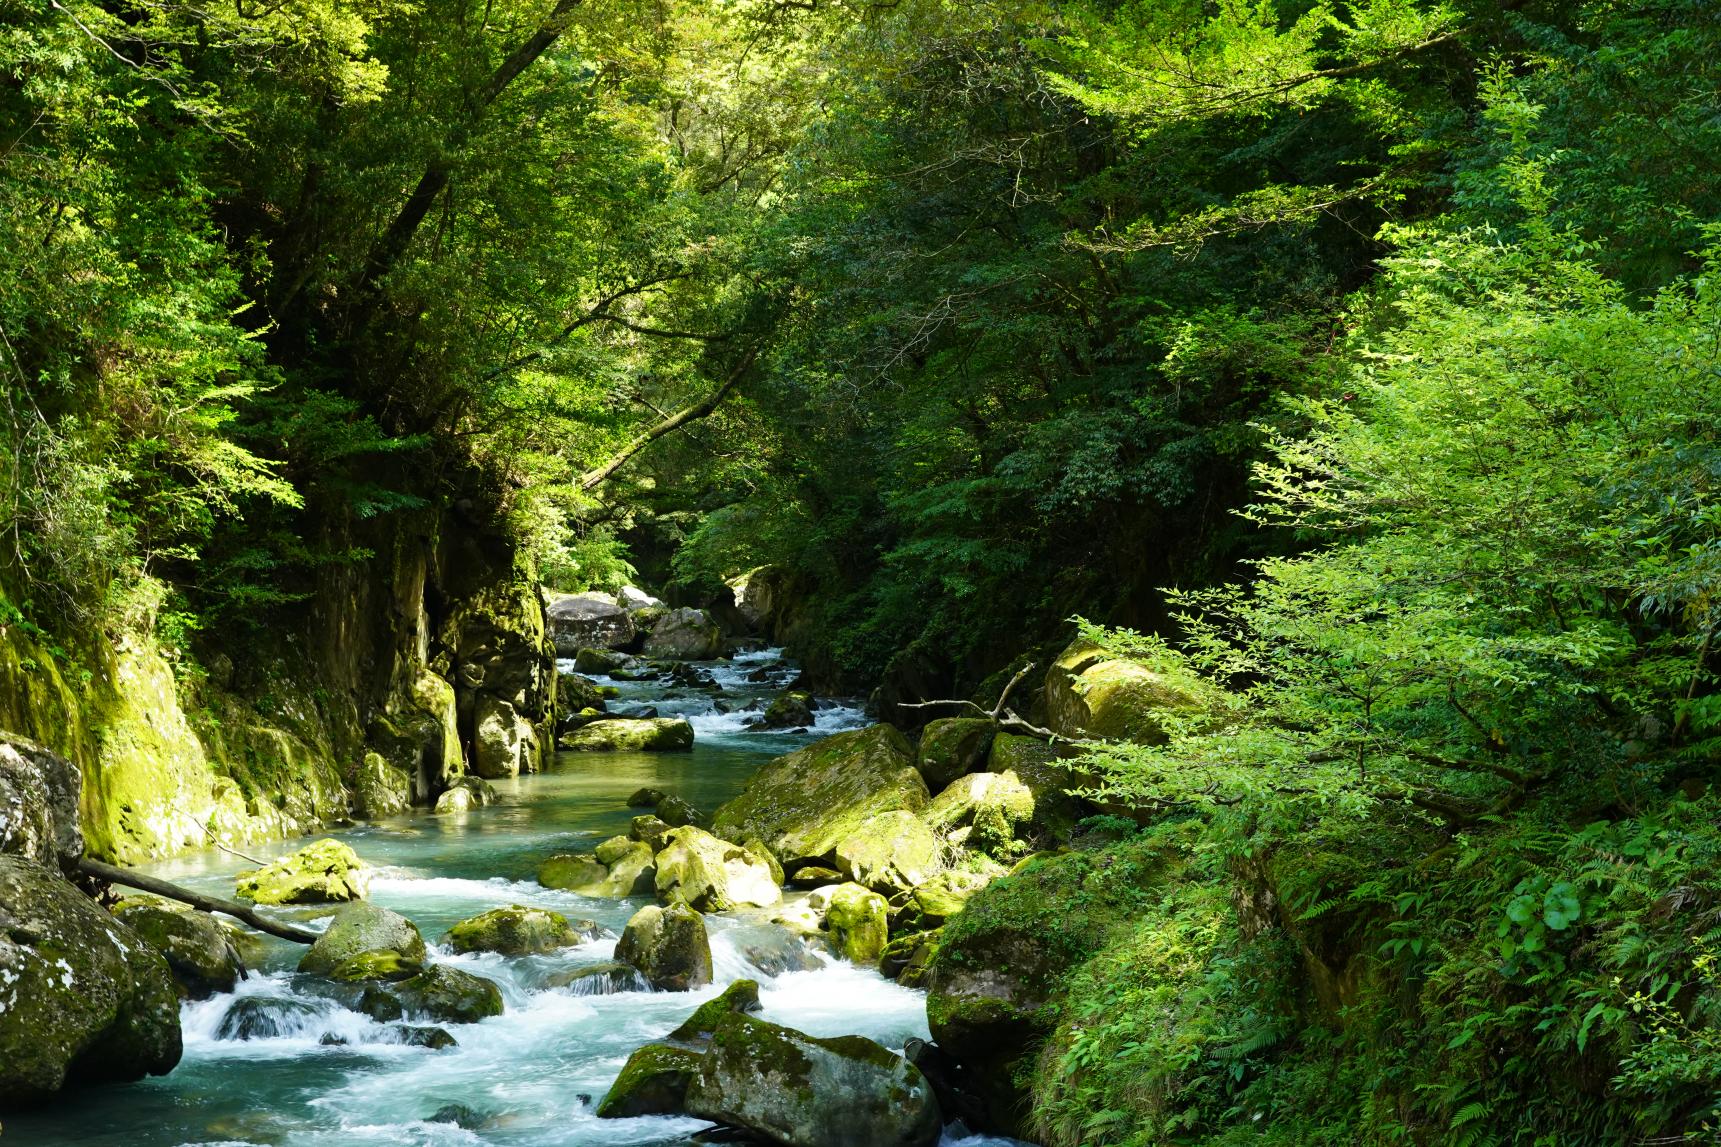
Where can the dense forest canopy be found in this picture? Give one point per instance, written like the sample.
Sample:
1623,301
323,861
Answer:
1353,363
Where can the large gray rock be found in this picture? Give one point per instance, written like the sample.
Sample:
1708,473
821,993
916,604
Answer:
366,942
82,997
804,805
684,635
620,867
712,875
669,946
589,621
38,804
803,1091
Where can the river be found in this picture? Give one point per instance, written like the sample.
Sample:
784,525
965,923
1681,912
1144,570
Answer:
336,1078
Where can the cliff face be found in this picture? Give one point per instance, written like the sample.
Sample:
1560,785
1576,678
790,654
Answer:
398,676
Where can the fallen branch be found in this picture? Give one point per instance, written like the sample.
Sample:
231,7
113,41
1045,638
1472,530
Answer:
1008,720
197,900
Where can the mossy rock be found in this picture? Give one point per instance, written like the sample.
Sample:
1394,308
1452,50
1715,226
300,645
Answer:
653,1082
814,876
940,899
1048,778
739,998
793,1088
380,789
323,872
465,795
603,663
989,812
793,709
683,635
649,830
366,936
803,805
645,798
630,735
632,872
889,853
199,949
607,979
1090,692
758,848
519,931
712,875
905,958
952,746
439,993
669,946
859,922
575,693
677,811
83,999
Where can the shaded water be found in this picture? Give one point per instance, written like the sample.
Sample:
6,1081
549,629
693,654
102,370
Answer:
533,1074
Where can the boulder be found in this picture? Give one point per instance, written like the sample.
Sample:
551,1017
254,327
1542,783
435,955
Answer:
815,876
790,710
859,922
440,993
986,812
803,805
589,621
629,735
796,1089
82,997
432,1038
684,635
774,948
649,830
607,979
504,741
712,875
653,1082
756,597
645,798
631,872
466,794
38,804
519,931
952,746
380,789
265,1017
675,811
669,947
323,872
757,848
199,949
933,904
633,599
1048,778
1091,692
574,693
906,957
739,998
366,942
889,852
605,663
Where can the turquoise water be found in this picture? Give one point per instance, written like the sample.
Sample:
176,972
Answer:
534,1073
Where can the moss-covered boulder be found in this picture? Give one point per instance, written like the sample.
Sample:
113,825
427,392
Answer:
1048,778
684,635
366,942
653,1082
889,852
645,798
805,804
676,811
609,978
504,740
858,920
465,795
739,998
575,692
38,804
380,789
987,812
952,746
814,876
198,948
581,621
323,872
934,903
440,993
519,931
758,848
712,875
669,946
1090,692
630,735
649,829
631,870
790,710
82,997
796,1089
605,663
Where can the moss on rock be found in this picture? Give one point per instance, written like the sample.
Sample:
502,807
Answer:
630,735
362,936
653,1082
859,922
519,931
669,946
323,872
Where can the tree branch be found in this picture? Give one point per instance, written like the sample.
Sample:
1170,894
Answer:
197,900
594,478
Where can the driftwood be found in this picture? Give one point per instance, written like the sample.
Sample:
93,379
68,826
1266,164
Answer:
197,900
1007,720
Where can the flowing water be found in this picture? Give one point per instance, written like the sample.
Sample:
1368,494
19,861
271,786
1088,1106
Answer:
318,1075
